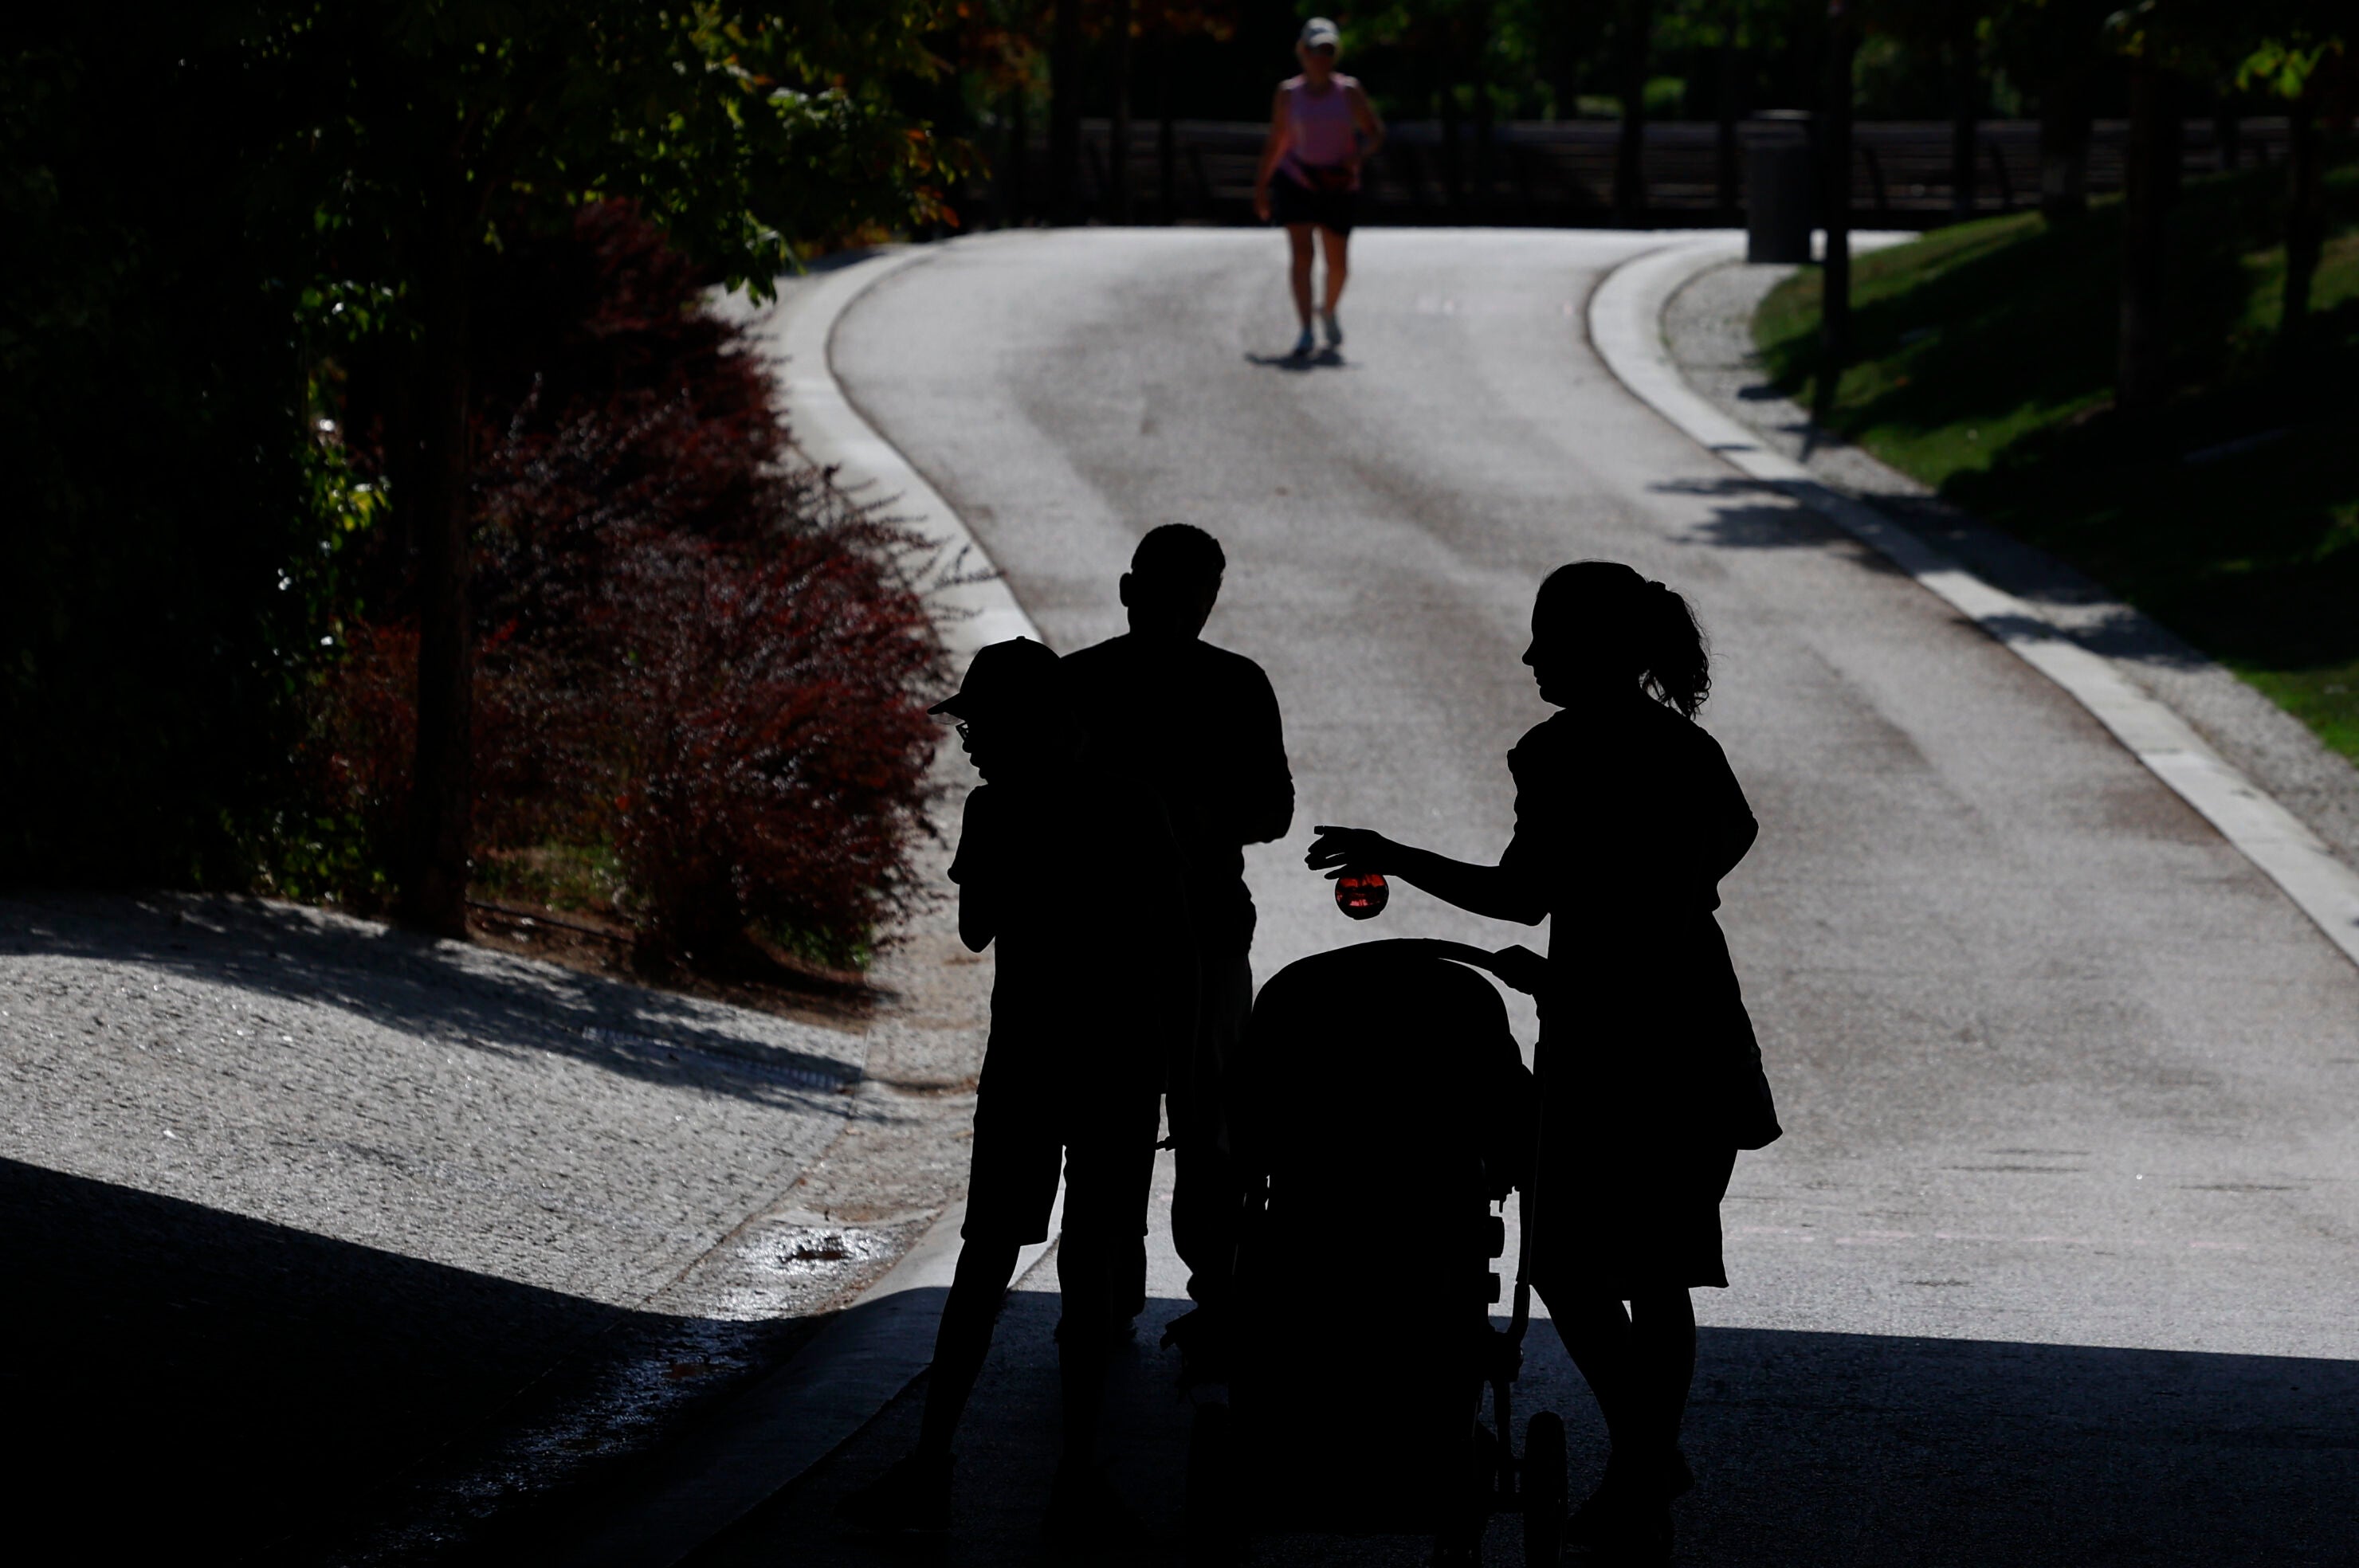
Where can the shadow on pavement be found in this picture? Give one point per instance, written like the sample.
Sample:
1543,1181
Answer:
1751,519
191,1384
1325,358
1811,1449
446,991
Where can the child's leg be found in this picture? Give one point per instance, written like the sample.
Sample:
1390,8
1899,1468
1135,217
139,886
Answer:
1085,1274
985,1269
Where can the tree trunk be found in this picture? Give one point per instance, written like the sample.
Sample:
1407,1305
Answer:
1117,201
1724,151
2227,132
1167,139
1966,88
1454,169
1020,157
2064,147
1486,172
2150,173
1834,186
442,797
1634,53
2305,208
1065,113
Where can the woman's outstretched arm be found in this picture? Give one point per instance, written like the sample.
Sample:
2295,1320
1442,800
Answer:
1498,893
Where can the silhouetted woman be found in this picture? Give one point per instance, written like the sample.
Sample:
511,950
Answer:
1626,817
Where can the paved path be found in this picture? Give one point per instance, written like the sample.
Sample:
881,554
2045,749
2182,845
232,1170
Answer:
2055,1261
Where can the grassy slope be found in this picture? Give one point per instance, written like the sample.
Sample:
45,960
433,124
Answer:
1984,368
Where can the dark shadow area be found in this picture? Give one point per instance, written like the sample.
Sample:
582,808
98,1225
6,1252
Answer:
184,1379
1828,1448
410,983
1821,1449
1325,358
2024,570
2252,557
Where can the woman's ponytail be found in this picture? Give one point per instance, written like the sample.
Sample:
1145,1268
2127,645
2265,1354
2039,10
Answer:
1678,670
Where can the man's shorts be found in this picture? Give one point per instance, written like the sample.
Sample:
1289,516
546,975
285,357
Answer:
1107,1152
1292,202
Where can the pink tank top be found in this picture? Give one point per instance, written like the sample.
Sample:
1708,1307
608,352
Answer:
1319,132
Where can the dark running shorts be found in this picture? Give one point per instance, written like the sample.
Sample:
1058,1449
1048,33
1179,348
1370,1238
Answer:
1108,1155
1293,203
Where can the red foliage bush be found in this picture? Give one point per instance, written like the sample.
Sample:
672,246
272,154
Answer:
691,649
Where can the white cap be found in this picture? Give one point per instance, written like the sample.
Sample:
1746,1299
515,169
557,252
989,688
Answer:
1319,33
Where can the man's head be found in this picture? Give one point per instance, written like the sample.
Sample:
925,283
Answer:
1015,716
1173,581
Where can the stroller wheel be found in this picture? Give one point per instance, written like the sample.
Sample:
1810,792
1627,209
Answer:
1214,1532
1544,1490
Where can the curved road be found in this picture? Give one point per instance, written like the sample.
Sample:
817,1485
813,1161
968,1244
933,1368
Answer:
2057,1260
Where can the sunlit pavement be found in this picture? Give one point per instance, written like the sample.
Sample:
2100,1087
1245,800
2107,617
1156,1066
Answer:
2055,1263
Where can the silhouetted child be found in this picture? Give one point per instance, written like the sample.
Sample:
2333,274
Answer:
1095,986
1626,818
1197,726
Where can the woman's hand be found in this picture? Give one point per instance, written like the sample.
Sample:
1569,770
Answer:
1348,849
1261,201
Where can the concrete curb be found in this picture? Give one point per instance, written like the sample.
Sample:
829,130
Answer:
765,1438
769,1436
830,430
1625,315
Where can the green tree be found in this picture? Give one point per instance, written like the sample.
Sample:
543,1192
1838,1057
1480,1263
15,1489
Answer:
2301,62
426,130
2056,50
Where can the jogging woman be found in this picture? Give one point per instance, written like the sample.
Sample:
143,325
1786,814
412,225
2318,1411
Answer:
1322,128
1626,818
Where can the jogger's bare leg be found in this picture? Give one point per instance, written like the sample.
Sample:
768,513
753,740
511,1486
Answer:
1339,266
1298,236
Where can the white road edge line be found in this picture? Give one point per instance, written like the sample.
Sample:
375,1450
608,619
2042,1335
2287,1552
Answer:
1625,313
771,1435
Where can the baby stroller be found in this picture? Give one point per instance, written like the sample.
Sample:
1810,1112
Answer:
1383,1109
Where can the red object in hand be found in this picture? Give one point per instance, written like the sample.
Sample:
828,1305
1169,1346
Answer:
1361,895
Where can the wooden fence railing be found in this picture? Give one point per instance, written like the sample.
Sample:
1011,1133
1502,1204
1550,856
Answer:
1562,173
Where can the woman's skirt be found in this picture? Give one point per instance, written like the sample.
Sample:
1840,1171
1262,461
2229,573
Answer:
1617,1211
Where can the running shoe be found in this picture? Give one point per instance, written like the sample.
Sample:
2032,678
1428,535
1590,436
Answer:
1305,344
1335,330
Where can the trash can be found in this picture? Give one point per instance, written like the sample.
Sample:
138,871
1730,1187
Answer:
1779,195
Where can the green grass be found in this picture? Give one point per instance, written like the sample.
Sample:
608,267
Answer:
1984,367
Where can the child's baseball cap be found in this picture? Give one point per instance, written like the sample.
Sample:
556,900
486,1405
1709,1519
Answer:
1007,679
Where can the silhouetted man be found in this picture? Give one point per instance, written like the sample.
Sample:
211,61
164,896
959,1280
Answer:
1197,725
1090,998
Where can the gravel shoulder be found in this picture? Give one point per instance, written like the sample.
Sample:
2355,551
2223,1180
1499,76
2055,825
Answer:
394,1236
1708,329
